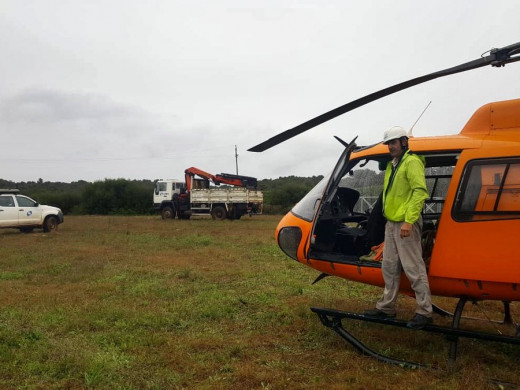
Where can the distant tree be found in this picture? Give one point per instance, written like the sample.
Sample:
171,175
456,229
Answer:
283,193
117,196
121,196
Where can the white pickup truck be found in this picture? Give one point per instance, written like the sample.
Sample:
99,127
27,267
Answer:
21,212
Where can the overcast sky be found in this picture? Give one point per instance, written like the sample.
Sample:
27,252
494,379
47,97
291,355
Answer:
144,89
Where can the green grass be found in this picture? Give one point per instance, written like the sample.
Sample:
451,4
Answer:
141,303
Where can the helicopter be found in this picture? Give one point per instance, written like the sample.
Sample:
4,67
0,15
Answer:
470,219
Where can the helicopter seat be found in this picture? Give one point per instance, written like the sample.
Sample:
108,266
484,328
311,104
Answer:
343,205
346,229
369,232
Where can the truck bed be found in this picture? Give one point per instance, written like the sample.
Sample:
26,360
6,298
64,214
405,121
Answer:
226,195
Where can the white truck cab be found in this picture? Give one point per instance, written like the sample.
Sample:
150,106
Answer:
24,213
164,190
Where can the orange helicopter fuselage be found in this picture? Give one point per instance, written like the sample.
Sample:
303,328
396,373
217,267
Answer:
475,254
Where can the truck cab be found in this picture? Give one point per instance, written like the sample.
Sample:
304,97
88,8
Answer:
170,199
164,190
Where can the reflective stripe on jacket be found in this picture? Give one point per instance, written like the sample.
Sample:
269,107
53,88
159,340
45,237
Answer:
405,193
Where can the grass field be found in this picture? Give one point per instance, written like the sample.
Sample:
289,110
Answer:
142,303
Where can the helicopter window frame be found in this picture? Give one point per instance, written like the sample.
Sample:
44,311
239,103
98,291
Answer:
312,203
470,191
437,183
303,208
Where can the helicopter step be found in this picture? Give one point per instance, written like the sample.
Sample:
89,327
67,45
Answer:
333,319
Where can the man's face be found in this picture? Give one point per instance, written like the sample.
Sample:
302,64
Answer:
395,148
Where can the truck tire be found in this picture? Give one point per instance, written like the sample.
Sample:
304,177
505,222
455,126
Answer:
50,224
219,213
233,213
182,215
167,213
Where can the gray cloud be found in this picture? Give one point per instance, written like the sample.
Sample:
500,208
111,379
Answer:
130,89
47,106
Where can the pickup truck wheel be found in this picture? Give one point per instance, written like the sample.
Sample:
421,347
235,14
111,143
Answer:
219,213
50,224
26,229
167,213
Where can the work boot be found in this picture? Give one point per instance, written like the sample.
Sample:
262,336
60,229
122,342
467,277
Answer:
419,321
376,313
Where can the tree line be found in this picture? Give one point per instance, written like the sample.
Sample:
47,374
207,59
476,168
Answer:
134,197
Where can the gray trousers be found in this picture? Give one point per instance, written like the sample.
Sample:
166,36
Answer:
404,254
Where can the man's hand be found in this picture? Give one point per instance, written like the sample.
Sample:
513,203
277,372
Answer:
406,229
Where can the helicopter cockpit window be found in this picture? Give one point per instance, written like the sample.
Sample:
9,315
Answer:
367,178
490,191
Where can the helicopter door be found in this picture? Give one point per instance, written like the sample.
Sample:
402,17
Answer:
324,232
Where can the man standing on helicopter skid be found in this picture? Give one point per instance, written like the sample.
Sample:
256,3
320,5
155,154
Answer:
404,194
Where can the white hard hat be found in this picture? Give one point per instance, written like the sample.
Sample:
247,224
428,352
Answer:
395,132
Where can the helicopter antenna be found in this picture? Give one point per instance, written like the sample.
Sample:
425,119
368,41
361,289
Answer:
411,128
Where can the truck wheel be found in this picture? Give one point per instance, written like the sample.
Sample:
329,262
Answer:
167,213
50,224
219,213
234,214
231,214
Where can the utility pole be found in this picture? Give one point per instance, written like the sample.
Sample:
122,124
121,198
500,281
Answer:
236,158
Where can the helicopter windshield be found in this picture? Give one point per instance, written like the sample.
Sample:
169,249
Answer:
306,207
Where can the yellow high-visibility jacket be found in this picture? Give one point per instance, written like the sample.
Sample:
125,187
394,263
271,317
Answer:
405,191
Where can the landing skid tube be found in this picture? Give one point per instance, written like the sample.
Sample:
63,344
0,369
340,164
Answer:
333,319
507,314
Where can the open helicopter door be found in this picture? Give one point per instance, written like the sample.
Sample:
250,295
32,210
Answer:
335,207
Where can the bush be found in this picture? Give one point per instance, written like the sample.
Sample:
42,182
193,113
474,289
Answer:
117,196
134,197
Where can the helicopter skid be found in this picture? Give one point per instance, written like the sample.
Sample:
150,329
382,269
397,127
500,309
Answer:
508,319
333,319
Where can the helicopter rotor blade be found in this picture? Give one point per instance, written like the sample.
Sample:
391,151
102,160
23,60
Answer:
345,143
497,58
